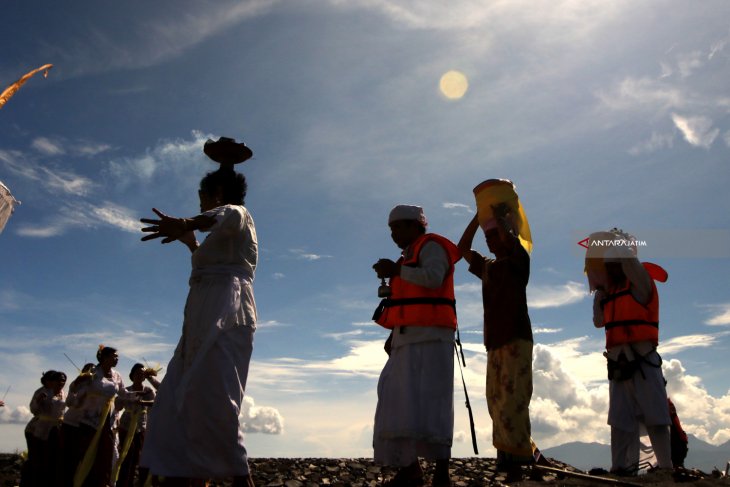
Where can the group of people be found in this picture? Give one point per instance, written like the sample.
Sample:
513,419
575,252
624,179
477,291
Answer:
192,436
414,415
92,434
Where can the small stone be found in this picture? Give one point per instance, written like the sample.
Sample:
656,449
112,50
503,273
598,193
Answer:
293,483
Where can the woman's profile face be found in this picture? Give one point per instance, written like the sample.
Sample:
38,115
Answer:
57,385
109,360
207,201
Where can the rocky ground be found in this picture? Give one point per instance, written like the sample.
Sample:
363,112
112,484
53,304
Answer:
362,472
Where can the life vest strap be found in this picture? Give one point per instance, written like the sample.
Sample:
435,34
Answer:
614,296
390,302
614,324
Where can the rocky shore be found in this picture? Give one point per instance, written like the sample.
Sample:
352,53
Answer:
362,472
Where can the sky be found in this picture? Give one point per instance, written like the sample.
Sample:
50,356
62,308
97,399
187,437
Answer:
604,114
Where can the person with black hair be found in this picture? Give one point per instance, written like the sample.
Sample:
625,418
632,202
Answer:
72,451
43,432
193,434
134,423
106,395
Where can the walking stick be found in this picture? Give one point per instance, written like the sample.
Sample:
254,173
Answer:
459,359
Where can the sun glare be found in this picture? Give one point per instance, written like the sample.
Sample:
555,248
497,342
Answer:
453,84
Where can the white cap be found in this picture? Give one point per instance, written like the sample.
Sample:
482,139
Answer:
407,212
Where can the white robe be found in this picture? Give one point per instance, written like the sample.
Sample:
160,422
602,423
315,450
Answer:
415,412
194,429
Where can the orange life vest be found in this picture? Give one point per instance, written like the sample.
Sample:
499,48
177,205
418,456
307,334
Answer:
628,321
414,305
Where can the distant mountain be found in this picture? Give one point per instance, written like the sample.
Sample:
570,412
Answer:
704,456
585,456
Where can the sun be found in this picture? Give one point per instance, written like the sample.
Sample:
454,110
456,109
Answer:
453,84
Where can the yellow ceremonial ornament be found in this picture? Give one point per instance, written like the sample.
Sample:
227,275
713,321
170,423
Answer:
82,471
495,192
134,419
10,90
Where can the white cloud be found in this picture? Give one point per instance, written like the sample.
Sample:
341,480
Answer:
458,206
260,419
83,215
563,15
631,93
58,146
345,335
130,343
656,141
546,330
17,415
54,180
686,342
553,296
717,47
697,131
688,63
169,156
721,315
66,182
117,216
304,255
11,300
149,40
701,414
278,275
47,146
42,231
90,149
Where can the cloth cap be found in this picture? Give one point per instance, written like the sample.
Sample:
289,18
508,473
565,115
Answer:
407,212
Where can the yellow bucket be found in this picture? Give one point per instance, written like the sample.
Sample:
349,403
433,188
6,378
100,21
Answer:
493,192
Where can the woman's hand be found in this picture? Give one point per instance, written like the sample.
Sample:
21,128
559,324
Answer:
168,227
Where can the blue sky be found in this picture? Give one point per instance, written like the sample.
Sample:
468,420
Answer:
603,113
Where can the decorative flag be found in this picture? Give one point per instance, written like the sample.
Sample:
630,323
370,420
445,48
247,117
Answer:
7,205
10,90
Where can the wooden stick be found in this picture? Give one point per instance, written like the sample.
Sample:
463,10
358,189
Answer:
72,362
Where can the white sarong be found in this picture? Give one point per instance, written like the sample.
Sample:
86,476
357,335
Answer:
193,429
415,412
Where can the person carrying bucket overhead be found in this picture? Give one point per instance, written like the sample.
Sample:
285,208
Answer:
626,306
507,327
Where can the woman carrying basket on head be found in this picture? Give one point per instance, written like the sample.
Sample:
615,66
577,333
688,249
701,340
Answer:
193,430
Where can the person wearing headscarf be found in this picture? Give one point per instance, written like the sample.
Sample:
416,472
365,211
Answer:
193,429
507,329
72,451
104,398
414,416
43,432
132,427
626,306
